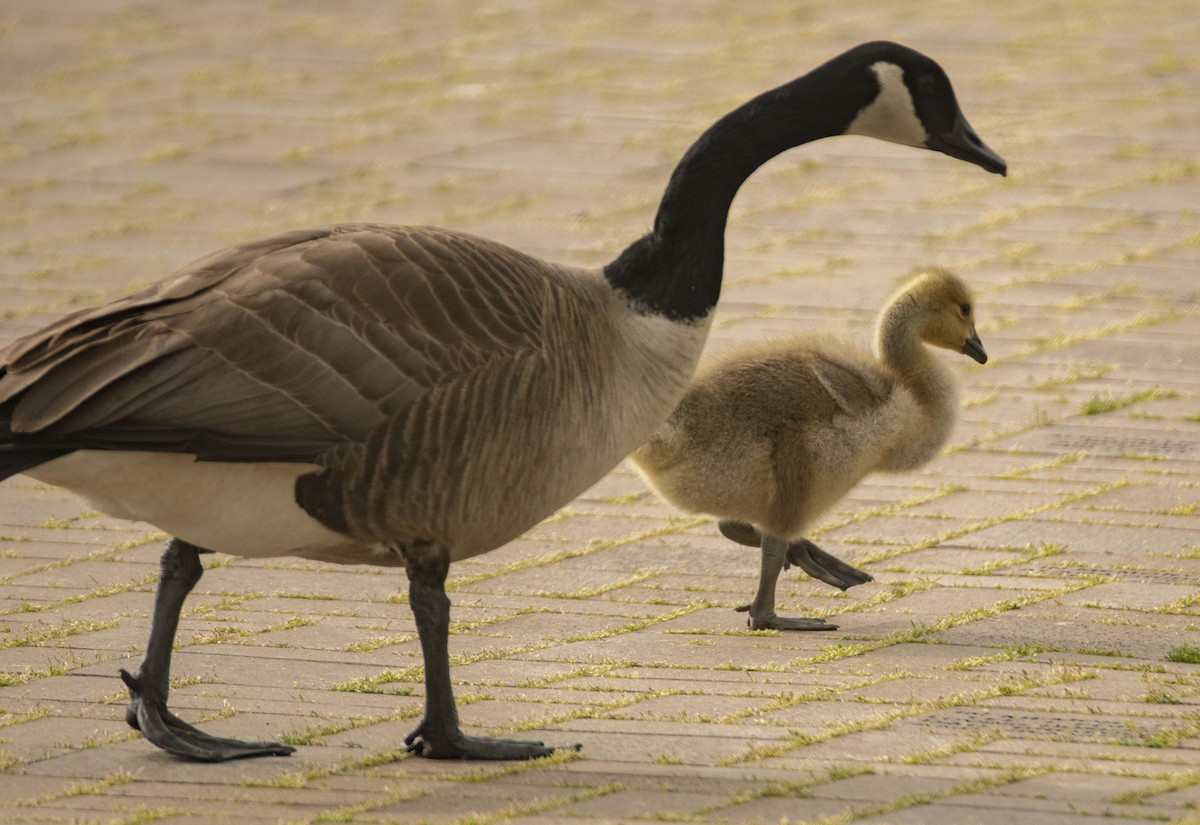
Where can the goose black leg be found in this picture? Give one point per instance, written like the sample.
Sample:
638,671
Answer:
803,554
148,690
762,609
439,736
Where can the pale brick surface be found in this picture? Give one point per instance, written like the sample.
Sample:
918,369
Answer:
1012,661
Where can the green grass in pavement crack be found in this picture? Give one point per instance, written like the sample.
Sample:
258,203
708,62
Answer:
299,778
1171,737
1076,374
1026,555
1187,654
817,694
316,734
584,711
1043,345
891,509
1041,419
98,593
992,521
589,592
1108,403
973,742
1009,654
969,786
1053,464
374,684
370,764
8,678
1174,782
914,634
488,773
356,812
796,741
1172,169
799,789
894,591
84,788
673,526
69,627
226,634
455,627
538,807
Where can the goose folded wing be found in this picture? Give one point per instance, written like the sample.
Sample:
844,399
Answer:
276,350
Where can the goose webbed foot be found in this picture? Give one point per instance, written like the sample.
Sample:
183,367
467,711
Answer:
172,734
803,554
773,622
433,742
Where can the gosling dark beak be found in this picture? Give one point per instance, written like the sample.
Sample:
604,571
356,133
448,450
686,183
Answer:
974,348
961,142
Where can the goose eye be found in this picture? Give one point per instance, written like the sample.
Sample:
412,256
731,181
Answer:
925,84
965,309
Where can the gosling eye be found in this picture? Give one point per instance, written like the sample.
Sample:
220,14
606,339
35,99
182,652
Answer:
965,309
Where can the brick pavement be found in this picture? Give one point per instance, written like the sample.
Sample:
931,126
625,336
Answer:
1027,652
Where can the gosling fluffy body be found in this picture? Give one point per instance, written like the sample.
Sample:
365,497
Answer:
773,435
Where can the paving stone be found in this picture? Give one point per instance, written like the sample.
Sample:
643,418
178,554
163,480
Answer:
637,804
774,809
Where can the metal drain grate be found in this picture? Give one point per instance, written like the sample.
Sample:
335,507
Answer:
1124,445
1145,576
1057,726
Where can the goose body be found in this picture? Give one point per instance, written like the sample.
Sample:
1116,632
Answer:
769,437
391,450
408,395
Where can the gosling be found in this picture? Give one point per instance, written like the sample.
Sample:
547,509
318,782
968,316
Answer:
769,437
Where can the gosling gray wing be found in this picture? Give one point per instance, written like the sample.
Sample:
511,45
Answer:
281,349
854,385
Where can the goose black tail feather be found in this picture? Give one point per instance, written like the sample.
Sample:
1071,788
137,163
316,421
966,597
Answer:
23,451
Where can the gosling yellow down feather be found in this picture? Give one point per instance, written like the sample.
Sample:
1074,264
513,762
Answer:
769,437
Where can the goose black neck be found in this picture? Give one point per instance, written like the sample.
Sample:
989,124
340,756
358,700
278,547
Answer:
676,270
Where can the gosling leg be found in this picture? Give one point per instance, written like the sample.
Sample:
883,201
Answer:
804,554
762,609
147,712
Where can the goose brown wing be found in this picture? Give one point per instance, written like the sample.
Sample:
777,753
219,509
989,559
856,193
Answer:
297,343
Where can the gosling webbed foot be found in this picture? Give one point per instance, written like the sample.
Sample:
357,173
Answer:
454,744
810,558
172,734
773,622
824,566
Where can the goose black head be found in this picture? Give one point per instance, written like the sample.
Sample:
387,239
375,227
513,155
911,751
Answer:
914,104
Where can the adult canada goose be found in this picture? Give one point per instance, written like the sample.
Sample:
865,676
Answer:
408,396
769,437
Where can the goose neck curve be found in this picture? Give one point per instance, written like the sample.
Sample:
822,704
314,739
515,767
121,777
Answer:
676,270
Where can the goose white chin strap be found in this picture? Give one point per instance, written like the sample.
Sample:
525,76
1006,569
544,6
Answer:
891,116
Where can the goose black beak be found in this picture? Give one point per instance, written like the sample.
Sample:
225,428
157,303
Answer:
974,348
961,142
